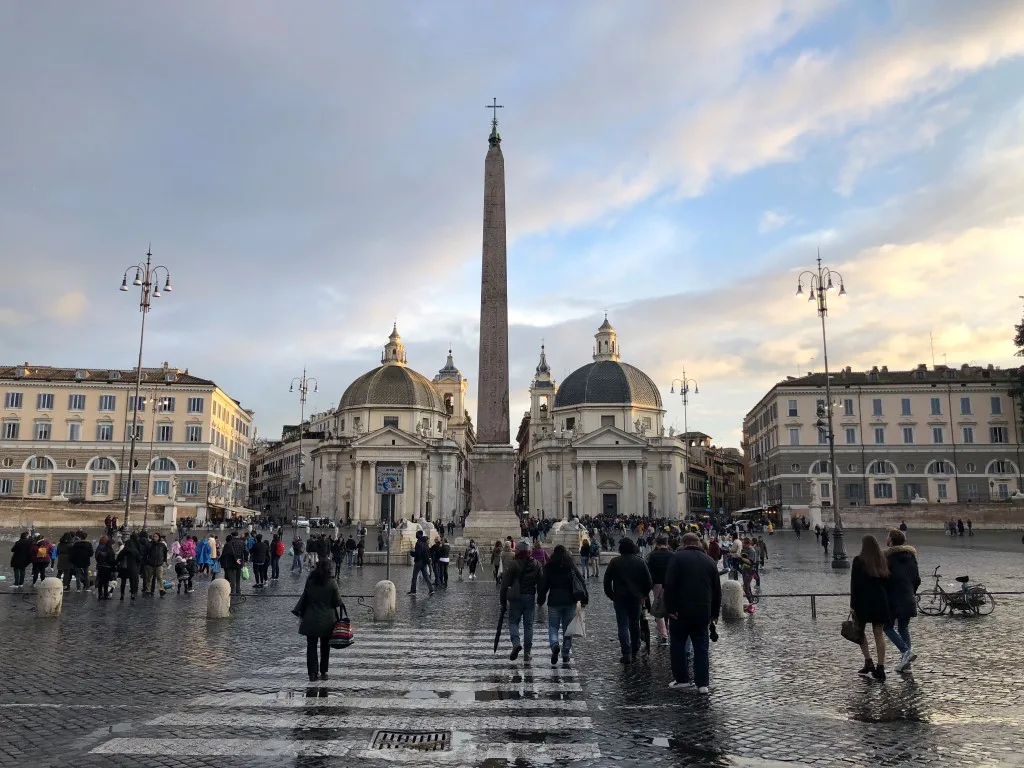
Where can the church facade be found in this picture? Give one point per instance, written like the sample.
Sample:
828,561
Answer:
597,444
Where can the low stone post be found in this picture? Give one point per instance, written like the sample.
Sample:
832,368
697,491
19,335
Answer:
49,597
732,600
218,599
384,598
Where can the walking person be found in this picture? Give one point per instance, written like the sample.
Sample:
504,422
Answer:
337,555
420,563
825,540
155,559
496,560
901,590
319,609
260,556
869,601
444,556
129,563
693,599
204,557
105,563
297,549
585,557
232,557
21,556
276,551
627,583
472,558
657,564
350,550
520,590
595,558
557,587
40,558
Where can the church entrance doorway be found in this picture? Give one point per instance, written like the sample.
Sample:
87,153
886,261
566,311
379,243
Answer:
387,509
611,504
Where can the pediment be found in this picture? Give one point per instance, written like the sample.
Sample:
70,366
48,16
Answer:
383,438
610,437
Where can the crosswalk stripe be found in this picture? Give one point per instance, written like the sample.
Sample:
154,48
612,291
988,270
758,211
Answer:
356,702
352,658
524,674
399,646
396,684
460,754
288,721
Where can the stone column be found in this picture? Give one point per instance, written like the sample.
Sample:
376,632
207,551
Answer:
357,477
643,488
577,489
637,487
441,481
595,499
371,514
419,489
624,495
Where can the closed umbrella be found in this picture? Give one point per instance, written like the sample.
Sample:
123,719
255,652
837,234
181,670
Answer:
497,633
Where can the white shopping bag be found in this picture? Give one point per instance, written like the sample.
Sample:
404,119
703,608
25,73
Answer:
578,626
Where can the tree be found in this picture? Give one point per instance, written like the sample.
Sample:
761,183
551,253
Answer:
1018,340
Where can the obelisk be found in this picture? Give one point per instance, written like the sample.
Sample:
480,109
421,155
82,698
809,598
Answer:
492,460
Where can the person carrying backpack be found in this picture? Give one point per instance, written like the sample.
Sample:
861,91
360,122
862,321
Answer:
276,553
40,558
520,589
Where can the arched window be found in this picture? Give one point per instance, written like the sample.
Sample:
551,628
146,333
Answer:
163,464
881,467
939,467
40,463
821,468
1001,467
102,464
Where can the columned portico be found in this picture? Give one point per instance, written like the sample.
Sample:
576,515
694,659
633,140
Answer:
624,493
418,507
577,489
593,501
371,512
357,471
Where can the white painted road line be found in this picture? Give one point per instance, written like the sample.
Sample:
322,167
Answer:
527,674
289,721
397,684
432,703
341,660
460,754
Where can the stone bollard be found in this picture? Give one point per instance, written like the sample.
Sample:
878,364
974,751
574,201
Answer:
732,600
218,599
384,597
49,597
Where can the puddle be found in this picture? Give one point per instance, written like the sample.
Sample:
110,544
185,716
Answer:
120,728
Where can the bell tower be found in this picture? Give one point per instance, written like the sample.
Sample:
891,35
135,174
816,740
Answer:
542,398
607,342
394,350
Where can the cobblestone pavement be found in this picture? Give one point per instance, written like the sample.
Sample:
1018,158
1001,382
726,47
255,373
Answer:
155,684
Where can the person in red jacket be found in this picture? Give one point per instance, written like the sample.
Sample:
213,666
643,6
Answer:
276,553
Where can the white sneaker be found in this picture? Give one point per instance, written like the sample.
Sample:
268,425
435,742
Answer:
677,684
703,689
906,658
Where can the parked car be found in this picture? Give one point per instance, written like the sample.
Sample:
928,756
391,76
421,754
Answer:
301,522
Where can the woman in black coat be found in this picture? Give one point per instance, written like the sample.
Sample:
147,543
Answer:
21,556
869,601
901,585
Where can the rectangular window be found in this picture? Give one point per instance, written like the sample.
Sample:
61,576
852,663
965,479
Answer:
854,491
11,429
37,487
190,488
968,435
883,490
12,400
645,421
822,436
794,436
826,491
904,407
936,406
44,401
1003,490
194,433
908,435
100,487
195,405
876,407
139,432
108,402
848,407
390,421
356,424
792,408
937,435
71,487
166,405
607,421
42,430
136,404
942,490
164,433
162,488
999,434
997,406
851,436
74,432
798,490
965,406
76,402
105,432
879,435
911,490
135,488
6,486
999,467
972,491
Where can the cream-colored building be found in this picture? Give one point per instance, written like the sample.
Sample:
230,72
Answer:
597,443
65,433
940,435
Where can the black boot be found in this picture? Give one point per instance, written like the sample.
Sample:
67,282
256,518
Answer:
868,668
879,672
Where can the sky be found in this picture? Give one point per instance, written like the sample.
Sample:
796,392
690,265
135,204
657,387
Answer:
311,173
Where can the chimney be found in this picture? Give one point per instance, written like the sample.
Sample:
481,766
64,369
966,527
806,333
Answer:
885,369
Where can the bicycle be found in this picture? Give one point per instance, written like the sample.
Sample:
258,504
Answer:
969,599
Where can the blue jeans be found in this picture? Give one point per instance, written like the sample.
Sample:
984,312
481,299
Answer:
898,631
585,565
560,616
417,569
682,634
627,617
525,609
297,561
351,558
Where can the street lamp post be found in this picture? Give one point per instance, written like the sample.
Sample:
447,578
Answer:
684,392
821,282
303,382
157,404
147,277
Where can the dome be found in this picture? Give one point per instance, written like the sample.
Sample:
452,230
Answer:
608,382
392,384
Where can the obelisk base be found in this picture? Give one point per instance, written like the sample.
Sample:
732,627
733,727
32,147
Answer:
493,477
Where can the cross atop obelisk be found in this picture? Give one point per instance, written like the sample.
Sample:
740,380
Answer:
495,138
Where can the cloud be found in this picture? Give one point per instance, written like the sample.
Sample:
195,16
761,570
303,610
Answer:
69,306
772,220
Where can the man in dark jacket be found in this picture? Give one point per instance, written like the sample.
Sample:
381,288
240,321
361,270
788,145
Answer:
627,582
81,559
350,550
260,557
155,558
657,563
524,578
693,599
421,563
901,590
232,557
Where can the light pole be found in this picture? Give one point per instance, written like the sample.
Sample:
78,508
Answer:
157,404
303,383
147,278
684,392
821,282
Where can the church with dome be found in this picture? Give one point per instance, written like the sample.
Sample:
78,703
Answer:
392,416
597,444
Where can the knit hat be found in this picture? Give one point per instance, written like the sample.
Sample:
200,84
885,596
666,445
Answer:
523,546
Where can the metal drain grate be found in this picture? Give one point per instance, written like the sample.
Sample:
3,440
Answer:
424,741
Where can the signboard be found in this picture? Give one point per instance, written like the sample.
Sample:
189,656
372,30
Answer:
390,480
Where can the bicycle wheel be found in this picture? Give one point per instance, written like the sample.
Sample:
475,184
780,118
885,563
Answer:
931,603
983,601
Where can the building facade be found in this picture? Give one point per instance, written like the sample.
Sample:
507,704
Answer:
66,433
939,435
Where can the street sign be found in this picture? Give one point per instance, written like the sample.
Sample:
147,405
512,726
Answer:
390,480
